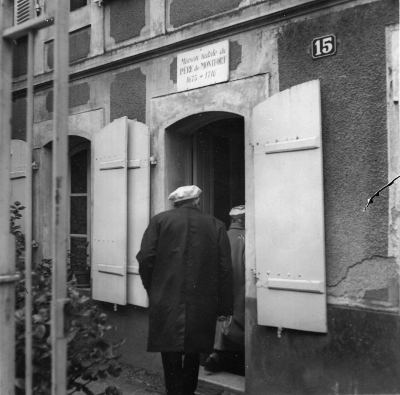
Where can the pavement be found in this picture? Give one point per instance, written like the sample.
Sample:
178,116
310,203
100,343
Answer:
132,381
137,381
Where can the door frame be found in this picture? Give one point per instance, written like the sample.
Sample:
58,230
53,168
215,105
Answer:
236,97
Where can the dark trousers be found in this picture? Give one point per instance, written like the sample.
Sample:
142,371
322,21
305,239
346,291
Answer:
181,372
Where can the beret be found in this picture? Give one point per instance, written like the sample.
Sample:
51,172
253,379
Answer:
184,193
237,211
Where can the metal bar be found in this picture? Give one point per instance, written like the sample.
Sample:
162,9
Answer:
28,209
17,31
60,196
296,285
7,261
9,278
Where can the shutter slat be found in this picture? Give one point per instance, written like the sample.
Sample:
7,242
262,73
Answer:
289,212
21,11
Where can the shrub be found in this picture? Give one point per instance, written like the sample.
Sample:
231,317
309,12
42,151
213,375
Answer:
90,355
15,229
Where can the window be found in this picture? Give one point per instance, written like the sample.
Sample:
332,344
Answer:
75,4
79,210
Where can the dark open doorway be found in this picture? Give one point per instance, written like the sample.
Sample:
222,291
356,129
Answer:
218,166
207,150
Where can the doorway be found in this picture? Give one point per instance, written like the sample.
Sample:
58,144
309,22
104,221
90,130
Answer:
218,166
207,150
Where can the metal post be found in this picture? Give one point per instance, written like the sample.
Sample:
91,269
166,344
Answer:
7,261
59,223
28,210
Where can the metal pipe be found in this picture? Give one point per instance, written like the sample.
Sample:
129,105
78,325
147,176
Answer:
60,173
7,261
9,278
28,209
22,29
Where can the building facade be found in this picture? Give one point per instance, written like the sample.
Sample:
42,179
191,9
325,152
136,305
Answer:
290,107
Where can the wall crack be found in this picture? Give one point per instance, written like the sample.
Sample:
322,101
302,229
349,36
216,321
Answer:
352,266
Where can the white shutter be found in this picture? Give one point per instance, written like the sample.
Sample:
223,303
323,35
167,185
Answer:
18,173
109,235
21,11
138,205
289,212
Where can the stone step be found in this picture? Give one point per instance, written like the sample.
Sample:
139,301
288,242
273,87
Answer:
221,383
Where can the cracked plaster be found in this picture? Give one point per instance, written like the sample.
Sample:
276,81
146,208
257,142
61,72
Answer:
370,274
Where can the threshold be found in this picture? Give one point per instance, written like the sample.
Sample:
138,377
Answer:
222,383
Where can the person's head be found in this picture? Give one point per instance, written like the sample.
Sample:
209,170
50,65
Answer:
237,215
188,195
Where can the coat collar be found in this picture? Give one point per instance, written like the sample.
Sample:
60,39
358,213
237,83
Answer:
236,225
189,205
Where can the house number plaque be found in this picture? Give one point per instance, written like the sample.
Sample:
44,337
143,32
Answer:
323,46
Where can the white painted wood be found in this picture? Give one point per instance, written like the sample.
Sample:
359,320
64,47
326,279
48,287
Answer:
18,173
393,127
109,241
138,205
289,212
395,63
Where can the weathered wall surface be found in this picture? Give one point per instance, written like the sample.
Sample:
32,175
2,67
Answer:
358,354
128,95
182,12
353,84
127,18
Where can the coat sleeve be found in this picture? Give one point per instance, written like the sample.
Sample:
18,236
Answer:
225,282
147,254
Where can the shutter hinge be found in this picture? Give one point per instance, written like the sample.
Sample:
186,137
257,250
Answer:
35,165
9,278
153,160
256,274
35,244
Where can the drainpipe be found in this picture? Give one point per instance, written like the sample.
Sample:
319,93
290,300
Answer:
28,206
7,256
59,218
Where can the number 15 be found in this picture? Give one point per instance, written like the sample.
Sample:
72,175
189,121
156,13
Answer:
324,46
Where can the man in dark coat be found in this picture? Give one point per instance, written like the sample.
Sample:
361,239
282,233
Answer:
229,337
185,265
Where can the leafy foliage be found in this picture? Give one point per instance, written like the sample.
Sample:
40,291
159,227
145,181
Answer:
15,229
90,355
